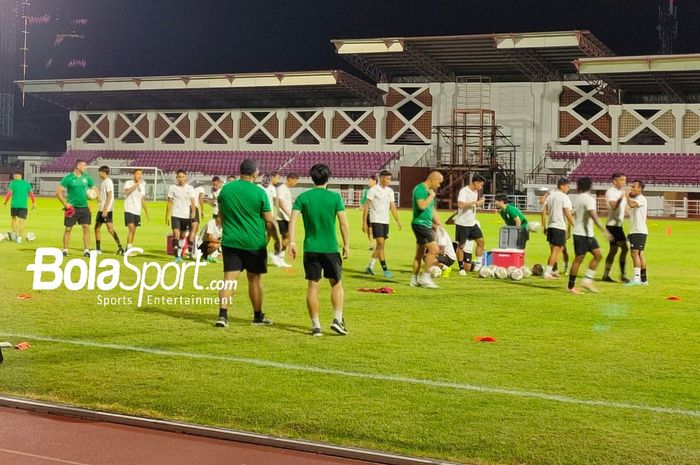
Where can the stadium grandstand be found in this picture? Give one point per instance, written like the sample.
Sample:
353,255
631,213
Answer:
519,108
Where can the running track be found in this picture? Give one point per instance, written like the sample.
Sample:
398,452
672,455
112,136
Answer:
30,438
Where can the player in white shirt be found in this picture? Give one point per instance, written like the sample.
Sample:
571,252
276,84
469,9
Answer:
180,211
585,216
380,201
284,208
466,226
209,240
616,202
200,198
105,214
268,184
557,218
638,232
213,198
134,203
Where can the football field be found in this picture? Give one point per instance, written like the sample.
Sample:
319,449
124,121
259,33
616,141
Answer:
607,378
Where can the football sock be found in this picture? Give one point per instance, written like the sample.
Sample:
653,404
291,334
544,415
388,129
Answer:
460,264
638,274
548,270
128,246
338,315
622,267
643,275
223,313
315,322
372,262
383,263
608,267
97,245
590,274
572,281
258,314
553,268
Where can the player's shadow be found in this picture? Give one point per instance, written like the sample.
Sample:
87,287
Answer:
208,319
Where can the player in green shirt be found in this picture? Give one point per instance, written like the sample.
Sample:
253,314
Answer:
246,216
513,217
319,209
424,218
72,193
19,191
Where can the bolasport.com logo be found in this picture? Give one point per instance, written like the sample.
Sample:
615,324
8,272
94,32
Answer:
50,273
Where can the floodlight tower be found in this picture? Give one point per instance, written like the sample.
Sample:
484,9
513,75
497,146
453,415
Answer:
668,25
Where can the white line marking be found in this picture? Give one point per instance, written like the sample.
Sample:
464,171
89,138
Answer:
42,457
377,377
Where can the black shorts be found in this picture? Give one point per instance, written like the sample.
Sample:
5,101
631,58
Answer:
283,226
99,219
523,237
130,218
638,241
423,235
617,233
80,216
253,261
380,230
584,244
331,264
556,237
18,213
467,233
183,224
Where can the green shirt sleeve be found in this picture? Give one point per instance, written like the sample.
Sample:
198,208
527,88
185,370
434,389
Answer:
339,206
90,182
65,182
265,202
297,203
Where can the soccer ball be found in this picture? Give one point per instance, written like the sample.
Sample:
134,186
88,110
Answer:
527,272
500,273
516,274
92,193
435,271
534,226
485,272
537,270
31,236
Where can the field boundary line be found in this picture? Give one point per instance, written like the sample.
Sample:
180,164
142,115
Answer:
371,376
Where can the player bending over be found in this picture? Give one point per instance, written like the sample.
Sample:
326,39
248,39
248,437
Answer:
19,191
319,208
513,217
210,240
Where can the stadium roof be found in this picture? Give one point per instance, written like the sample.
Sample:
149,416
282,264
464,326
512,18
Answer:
676,76
252,90
536,56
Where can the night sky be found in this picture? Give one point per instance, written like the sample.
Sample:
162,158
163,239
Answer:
162,37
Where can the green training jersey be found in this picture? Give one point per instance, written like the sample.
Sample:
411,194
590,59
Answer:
422,217
318,208
363,200
20,193
77,187
510,212
241,206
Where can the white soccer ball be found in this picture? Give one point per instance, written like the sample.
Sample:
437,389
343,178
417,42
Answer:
534,226
435,271
500,273
485,272
516,274
31,236
92,193
527,272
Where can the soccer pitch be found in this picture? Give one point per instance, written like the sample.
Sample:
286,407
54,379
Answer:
608,378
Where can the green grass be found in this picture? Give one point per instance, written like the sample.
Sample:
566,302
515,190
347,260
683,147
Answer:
626,345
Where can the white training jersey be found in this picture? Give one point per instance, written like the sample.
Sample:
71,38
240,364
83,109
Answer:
196,194
214,197
132,202
182,200
583,220
467,216
638,216
443,239
271,194
382,198
213,229
107,187
284,197
557,201
616,216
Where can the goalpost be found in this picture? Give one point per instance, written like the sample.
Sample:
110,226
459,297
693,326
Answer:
153,177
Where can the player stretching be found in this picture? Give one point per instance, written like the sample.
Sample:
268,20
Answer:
284,208
319,209
134,202
380,201
466,228
584,239
72,193
424,218
558,227
638,232
513,217
246,216
616,203
105,213
182,207
19,190
210,240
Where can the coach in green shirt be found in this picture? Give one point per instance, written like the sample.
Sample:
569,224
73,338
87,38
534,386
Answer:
513,217
72,193
320,208
424,217
246,216
20,191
